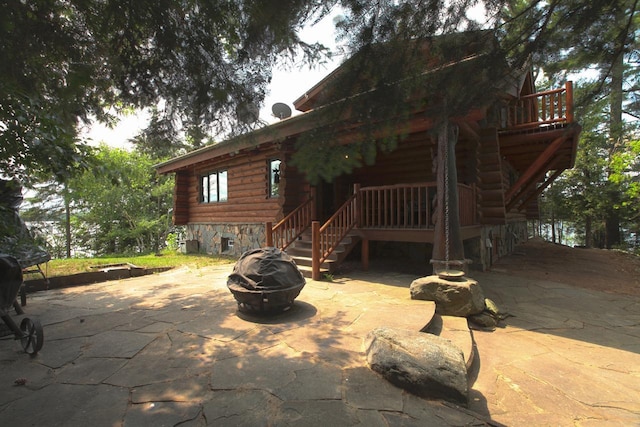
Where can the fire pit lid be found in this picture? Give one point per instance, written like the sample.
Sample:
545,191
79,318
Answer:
265,280
266,269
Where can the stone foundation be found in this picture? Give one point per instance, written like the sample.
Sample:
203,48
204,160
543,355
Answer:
235,239
497,241
226,239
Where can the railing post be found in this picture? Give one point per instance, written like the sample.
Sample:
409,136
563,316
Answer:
569,101
356,212
268,228
315,250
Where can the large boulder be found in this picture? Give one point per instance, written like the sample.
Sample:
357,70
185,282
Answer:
460,297
421,363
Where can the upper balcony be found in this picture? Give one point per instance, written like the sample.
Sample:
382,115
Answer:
540,111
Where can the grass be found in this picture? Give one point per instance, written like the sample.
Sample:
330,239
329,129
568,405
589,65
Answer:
65,267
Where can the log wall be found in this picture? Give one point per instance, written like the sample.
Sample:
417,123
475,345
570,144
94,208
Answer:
247,191
412,162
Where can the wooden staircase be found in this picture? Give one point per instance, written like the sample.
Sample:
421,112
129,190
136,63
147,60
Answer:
491,184
300,250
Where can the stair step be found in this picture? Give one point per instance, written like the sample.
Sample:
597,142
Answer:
307,262
304,255
308,273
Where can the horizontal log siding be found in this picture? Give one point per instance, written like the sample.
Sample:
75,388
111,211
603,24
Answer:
295,187
181,198
247,191
412,162
409,162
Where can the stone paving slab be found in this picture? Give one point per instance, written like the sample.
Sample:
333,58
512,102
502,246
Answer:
171,349
566,356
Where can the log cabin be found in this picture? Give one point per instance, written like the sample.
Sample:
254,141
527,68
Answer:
510,143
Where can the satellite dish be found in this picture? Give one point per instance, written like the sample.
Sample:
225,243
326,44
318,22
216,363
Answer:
281,110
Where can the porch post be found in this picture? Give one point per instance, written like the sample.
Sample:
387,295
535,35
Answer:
365,254
315,250
268,228
356,190
447,241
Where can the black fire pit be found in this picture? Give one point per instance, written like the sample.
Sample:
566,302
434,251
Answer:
265,281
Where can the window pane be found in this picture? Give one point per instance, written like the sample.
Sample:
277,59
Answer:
213,187
204,188
222,186
274,177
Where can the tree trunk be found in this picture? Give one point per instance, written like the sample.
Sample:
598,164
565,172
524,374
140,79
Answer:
612,229
587,232
67,224
612,221
560,231
447,245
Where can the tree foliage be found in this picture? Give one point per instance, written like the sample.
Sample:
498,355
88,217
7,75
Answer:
202,64
121,206
65,61
599,37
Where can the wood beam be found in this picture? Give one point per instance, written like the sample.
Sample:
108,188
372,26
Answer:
529,186
536,166
542,187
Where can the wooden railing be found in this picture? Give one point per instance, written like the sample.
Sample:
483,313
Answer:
543,108
409,206
290,227
402,206
397,206
326,238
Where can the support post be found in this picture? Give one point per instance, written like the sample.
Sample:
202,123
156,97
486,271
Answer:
315,250
268,228
365,254
569,101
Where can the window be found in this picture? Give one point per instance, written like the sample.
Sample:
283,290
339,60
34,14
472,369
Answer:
226,244
274,178
214,187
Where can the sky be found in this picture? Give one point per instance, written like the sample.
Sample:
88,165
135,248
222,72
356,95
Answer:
286,86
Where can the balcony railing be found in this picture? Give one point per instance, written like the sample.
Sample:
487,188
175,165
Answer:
542,108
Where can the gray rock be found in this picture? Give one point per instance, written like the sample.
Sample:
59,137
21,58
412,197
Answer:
462,297
423,364
484,319
492,308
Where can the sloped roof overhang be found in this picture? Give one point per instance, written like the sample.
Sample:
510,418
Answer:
309,120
